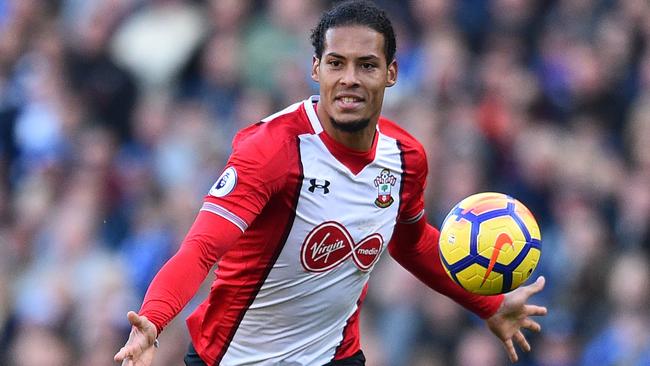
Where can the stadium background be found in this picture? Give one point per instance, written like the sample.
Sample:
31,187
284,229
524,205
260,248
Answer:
116,117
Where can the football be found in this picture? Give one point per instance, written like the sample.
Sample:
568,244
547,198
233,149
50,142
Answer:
490,243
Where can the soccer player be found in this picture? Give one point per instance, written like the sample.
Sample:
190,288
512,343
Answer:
308,201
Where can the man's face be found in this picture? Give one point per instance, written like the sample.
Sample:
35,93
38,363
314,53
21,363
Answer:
353,74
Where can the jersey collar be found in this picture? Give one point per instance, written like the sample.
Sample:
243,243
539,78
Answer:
311,113
354,160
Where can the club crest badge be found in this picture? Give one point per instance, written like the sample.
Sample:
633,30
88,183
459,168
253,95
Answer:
384,183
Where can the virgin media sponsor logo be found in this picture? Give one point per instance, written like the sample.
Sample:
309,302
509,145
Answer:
329,244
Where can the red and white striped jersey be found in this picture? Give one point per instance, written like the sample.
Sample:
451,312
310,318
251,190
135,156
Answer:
316,216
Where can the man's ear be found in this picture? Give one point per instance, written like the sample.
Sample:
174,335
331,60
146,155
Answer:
315,63
391,76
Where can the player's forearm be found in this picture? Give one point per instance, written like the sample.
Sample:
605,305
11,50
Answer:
179,279
174,286
415,247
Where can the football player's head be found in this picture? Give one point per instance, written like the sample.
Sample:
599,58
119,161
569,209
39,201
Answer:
354,62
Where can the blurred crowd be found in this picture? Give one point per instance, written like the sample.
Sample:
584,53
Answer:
116,117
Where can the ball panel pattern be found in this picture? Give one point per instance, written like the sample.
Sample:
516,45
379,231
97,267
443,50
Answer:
490,243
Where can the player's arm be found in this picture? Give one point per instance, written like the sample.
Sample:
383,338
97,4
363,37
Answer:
414,243
255,171
176,283
180,278
415,247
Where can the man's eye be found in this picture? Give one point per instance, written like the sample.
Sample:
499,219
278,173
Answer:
335,63
367,66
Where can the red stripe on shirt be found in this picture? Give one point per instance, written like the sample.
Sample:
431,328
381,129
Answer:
243,270
351,342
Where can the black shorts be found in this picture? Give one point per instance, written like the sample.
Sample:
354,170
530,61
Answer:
358,359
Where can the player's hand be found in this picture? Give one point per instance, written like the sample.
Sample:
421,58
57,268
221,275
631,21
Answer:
514,314
139,348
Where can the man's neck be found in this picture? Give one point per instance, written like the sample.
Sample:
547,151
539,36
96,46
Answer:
360,140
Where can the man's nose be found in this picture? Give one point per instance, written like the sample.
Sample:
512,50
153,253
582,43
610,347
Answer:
350,76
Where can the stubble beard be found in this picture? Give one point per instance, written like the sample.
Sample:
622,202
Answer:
352,126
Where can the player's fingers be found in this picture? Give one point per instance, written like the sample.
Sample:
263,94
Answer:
521,341
121,354
536,287
510,349
135,319
127,353
531,324
535,310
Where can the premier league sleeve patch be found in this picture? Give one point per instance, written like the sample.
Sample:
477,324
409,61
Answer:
225,184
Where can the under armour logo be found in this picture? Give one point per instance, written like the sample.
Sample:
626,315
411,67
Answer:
316,184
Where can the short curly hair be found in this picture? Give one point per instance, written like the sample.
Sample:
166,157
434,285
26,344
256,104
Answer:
355,12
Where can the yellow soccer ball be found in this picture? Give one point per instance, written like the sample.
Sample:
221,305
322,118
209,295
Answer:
490,243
